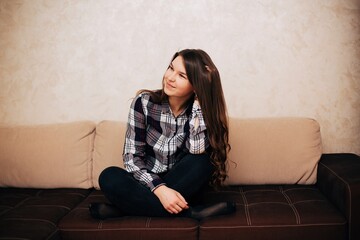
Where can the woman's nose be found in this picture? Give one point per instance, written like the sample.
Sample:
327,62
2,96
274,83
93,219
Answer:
172,77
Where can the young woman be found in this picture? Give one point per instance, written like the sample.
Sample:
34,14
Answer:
176,143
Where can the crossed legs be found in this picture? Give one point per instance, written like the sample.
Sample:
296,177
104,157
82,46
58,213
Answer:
132,198
187,177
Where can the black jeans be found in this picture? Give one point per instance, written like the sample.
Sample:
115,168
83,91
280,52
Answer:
188,177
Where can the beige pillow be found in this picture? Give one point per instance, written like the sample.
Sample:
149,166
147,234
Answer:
108,147
274,151
46,156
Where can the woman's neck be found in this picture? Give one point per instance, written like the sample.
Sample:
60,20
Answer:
177,105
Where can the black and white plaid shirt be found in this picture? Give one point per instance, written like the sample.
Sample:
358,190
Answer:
154,138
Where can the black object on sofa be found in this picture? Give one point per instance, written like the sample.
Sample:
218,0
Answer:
328,210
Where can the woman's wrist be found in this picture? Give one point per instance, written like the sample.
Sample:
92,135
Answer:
158,186
157,191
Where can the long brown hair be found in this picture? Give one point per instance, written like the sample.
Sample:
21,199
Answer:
205,79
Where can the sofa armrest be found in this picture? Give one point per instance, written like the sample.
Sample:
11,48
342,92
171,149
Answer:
339,181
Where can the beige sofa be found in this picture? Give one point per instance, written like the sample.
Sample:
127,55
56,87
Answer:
48,176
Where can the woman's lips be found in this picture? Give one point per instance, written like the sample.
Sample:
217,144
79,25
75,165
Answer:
169,85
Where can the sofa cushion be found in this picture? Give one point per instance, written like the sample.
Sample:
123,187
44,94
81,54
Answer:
47,156
274,151
108,147
78,224
278,212
35,213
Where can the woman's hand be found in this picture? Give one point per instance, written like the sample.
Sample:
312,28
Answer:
172,200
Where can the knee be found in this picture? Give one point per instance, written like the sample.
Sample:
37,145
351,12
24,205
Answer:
109,177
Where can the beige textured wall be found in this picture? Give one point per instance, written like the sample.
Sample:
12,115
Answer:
71,60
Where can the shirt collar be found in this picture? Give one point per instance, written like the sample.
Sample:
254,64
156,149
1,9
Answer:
165,108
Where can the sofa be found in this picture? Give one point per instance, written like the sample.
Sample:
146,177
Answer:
283,184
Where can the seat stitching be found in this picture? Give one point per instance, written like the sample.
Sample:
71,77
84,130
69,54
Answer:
246,206
259,203
349,190
301,188
39,193
17,205
297,216
262,190
314,200
148,220
43,205
52,234
14,238
29,219
128,228
276,226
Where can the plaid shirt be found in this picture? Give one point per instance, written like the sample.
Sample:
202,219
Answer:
154,138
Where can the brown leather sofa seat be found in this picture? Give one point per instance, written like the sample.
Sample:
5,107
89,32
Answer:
78,224
35,213
276,211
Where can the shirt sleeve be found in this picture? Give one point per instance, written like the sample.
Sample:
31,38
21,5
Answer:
135,146
197,142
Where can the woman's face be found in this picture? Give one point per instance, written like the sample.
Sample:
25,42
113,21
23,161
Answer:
176,82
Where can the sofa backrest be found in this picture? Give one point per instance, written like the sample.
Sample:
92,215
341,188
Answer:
274,151
264,151
47,156
108,147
